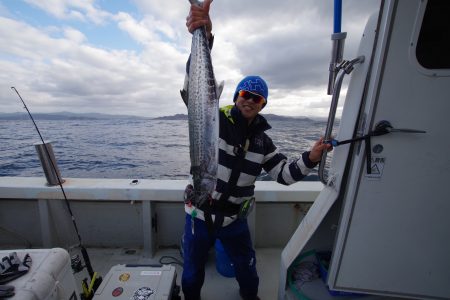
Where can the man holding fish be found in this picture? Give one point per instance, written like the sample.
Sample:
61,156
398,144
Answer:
229,148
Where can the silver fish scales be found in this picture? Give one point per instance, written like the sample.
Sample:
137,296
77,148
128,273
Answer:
203,115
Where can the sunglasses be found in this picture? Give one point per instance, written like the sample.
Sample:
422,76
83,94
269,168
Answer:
249,95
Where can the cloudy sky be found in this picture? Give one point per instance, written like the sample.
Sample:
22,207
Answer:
128,56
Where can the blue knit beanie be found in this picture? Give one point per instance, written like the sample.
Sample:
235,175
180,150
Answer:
254,84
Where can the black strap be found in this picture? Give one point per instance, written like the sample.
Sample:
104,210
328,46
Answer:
239,151
226,207
379,130
208,217
222,207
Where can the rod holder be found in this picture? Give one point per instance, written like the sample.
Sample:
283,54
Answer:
337,52
48,163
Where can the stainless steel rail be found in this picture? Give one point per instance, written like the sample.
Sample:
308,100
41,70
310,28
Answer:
346,67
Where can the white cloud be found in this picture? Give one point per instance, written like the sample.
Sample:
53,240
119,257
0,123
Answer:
62,68
81,10
74,35
138,31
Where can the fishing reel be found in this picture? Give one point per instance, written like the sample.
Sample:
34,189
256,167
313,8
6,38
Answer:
76,264
88,287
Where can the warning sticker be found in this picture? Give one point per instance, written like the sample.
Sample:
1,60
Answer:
151,273
142,293
117,292
376,167
124,276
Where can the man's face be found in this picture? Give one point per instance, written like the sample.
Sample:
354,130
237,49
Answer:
249,105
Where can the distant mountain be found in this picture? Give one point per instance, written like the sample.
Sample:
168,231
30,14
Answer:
269,117
97,116
65,116
272,117
174,117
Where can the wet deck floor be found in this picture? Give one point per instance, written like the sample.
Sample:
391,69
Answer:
216,286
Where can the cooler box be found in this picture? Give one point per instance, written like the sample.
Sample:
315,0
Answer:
138,282
50,276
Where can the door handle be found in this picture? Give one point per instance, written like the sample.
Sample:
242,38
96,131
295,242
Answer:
384,127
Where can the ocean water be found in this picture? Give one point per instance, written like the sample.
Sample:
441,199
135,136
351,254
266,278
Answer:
126,148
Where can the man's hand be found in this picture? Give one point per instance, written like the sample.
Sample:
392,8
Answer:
199,16
317,149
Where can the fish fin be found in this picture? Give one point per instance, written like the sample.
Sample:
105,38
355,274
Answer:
219,89
184,92
184,96
194,171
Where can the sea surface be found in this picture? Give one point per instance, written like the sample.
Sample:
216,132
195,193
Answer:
126,148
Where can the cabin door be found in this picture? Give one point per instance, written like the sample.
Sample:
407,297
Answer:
394,232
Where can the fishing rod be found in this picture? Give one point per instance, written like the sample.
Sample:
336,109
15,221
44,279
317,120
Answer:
84,253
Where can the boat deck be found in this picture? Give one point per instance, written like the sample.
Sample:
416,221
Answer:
216,286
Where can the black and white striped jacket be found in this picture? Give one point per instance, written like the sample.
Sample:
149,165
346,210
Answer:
260,154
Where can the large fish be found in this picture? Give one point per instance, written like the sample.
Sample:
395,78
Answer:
202,100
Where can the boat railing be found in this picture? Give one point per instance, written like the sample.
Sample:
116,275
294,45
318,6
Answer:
133,213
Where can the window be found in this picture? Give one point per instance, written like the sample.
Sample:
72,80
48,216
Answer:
433,44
